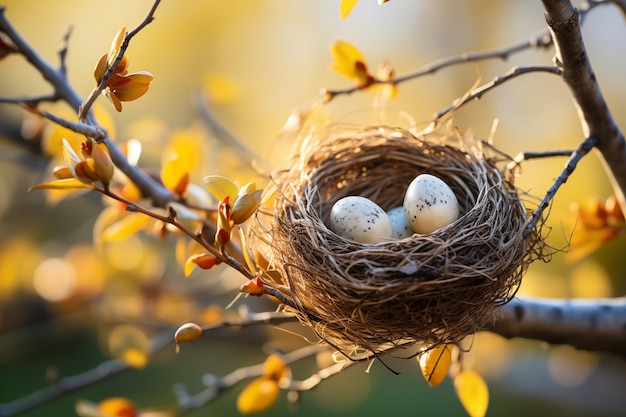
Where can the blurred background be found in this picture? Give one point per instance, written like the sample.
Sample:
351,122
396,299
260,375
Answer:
65,307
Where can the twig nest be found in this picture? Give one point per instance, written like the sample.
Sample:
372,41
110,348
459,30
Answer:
419,288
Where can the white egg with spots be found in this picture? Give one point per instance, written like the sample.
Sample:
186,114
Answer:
400,229
360,219
430,204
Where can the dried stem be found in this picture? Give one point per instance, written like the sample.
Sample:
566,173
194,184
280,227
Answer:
480,91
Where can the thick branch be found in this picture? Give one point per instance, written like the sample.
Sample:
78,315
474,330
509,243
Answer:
597,121
596,325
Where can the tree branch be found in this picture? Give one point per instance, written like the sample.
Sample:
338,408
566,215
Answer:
149,187
85,107
480,91
68,385
596,118
107,369
218,385
541,40
593,324
569,168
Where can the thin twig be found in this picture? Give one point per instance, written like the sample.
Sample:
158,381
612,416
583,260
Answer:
63,52
569,168
107,369
31,101
480,91
317,378
92,131
149,187
541,40
217,385
201,104
170,218
85,107
54,76
68,385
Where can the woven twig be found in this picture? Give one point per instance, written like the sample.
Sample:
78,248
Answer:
431,288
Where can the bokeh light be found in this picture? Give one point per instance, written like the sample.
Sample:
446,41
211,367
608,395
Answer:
54,279
571,367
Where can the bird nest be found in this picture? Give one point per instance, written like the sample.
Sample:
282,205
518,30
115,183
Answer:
427,288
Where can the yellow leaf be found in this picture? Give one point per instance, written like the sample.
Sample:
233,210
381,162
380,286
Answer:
116,44
244,250
258,396
203,260
245,206
435,364
221,187
64,184
118,407
472,392
125,227
135,358
187,145
349,62
346,6
275,368
175,174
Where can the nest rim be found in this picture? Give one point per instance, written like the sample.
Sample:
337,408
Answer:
431,289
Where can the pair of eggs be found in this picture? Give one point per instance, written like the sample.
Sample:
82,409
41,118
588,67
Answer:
429,204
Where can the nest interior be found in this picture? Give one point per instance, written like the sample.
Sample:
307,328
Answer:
434,288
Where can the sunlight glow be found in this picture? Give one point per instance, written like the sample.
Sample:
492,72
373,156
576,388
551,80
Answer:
54,279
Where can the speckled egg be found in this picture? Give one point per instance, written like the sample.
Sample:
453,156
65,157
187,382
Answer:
429,204
400,229
360,219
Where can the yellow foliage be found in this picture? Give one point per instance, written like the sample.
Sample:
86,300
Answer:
116,44
275,368
64,184
175,174
349,62
127,226
435,364
118,407
221,187
258,396
472,392
345,7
